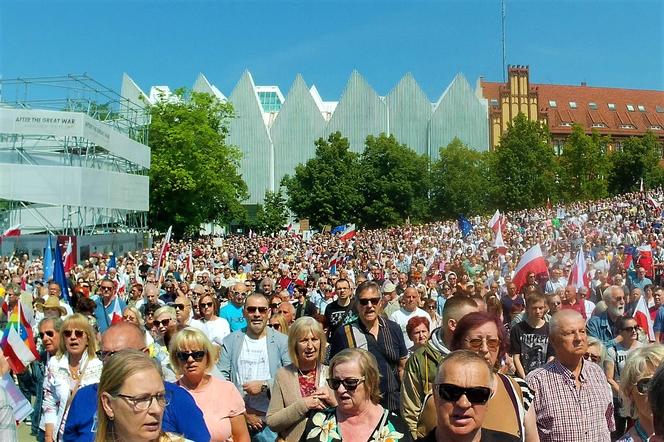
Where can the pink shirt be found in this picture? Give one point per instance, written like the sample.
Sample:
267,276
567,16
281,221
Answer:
219,400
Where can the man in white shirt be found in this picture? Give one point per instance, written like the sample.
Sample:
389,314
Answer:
410,301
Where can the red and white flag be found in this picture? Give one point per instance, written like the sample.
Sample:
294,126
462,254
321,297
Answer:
116,315
578,275
645,260
643,319
494,222
348,232
165,246
531,262
12,231
68,259
653,202
189,262
498,243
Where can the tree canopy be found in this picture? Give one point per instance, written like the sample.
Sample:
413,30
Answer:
584,166
272,215
638,158
194,175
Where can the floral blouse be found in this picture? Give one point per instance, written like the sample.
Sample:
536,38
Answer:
323,427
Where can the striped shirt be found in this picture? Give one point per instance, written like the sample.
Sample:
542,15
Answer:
567,414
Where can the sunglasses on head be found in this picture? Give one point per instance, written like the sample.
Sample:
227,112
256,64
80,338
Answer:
475,395
184,356
253,310
366,301
350,384
49,333
77,333
163,322
591,357
643,386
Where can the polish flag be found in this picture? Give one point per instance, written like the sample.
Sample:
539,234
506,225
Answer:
643,319
498,243
645,260
348,232
578,275
652,202
531,261
494,222
116,315
12,231
189,263
68,259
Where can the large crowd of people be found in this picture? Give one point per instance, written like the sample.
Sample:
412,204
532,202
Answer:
409,333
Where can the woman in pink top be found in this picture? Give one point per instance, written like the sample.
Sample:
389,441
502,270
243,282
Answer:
192,356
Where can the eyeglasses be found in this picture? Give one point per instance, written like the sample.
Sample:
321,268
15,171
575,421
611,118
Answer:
105,288
275,326
366,301
144,402
163,322
492,344
591,357
236,293
253,310
643,386
350,384
77,333
475,395
49,333
206,304
630,329
184,356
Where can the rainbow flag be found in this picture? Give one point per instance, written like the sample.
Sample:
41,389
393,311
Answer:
18,343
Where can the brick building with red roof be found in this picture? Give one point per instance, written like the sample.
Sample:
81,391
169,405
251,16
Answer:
619,113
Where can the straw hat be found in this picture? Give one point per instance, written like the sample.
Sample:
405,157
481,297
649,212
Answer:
52,302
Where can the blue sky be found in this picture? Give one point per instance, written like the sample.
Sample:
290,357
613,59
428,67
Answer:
604,43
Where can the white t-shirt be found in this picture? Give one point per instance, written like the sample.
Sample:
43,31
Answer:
402,317
254,365
217,330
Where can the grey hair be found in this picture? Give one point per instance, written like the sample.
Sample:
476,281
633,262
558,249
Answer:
637,362
656,398
607,295
558,317
57,323
594,342
151,287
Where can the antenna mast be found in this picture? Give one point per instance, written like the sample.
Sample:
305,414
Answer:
502,3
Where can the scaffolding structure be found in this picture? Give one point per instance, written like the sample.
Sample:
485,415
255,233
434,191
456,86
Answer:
74,158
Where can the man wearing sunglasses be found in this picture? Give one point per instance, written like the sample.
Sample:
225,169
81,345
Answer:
49,334
108,303
250,360
183,314
568,381
233,311
380,336
181,414
463,386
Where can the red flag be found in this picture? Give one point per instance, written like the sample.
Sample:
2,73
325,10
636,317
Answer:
12,231
18,343
116,315
189,263
162,254
548,204
531,262
578,275
348,232
68,259
643,319
645,260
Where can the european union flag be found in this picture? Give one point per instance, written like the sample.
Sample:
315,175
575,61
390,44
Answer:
59,273
111,262
465,226
338,229
48,260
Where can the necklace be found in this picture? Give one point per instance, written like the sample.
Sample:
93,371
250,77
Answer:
640,431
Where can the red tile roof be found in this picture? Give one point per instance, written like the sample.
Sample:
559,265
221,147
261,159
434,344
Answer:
562,115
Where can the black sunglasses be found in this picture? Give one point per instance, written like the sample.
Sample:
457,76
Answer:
475,395
206,304
101,354
275,326
631,329
591,357
643,385
184,356
275,305
253,309
179,306
349,384
49,333
366,301
163,322
77,333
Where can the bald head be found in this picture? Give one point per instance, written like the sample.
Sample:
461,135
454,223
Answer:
122,336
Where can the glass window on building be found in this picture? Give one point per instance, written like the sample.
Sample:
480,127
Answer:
553,104
630,108
572,104
612,106
659,109
269,101
592,105
642,108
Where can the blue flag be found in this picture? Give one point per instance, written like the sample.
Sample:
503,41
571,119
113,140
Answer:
59,274
465,226
111,262
338,229
48,260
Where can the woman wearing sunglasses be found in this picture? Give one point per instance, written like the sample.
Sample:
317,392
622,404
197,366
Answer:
354,379
300,386
216,328
74,366
277,322
165,321
484,334
193,356
635,379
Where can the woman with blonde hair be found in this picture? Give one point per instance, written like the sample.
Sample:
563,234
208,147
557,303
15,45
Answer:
193,357
133,315
75,366
300,386
131,400
278,322
165,321
635,382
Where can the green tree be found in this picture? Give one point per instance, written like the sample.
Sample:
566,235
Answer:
460,181
273,214
638,158
194,174
524,167
326,188
394,182
584,166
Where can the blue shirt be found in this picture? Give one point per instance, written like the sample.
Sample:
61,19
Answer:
181,415
102,313
602,328
659,320
234,315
